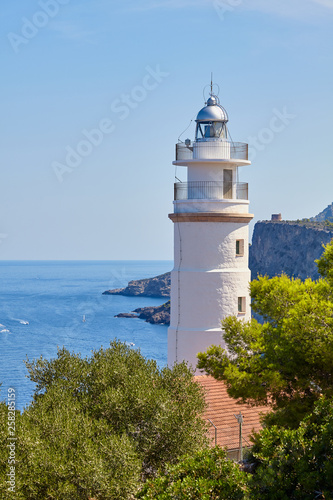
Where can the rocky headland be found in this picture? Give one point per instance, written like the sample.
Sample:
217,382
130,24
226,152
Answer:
289,247
159,286
154,314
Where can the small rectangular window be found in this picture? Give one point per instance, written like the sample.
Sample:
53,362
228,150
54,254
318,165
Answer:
240,247
227,183
241,304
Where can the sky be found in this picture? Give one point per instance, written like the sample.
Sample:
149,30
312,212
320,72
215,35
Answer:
96,93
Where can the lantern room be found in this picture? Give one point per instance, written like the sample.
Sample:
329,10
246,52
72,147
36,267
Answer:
212,121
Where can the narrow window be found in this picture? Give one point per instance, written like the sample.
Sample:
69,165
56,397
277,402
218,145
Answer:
227,183
239,248
241,304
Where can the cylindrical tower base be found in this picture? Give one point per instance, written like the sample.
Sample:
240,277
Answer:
184,345
209,282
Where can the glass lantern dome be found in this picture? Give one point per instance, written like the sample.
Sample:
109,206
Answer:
212,121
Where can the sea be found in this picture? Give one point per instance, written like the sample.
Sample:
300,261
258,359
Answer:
45,305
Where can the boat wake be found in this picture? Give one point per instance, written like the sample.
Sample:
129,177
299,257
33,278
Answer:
21,321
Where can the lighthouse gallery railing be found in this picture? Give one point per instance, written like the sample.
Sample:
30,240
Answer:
210,190
215,150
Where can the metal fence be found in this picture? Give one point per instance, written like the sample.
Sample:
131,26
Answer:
214,150
230,438
210,190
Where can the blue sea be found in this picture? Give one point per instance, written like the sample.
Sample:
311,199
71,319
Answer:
43,305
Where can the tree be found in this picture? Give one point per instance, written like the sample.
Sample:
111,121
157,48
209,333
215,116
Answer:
207,475
98,426
296,464
325,263
63,453
287,360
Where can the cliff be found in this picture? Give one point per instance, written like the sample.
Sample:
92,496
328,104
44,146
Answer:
325,215
288,247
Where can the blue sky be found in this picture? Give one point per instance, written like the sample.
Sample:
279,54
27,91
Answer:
135,71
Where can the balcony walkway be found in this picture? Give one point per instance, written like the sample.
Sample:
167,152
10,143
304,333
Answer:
210,190
212,150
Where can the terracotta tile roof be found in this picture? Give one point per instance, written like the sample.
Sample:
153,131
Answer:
221,410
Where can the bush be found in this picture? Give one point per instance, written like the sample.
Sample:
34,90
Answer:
207,475
297,463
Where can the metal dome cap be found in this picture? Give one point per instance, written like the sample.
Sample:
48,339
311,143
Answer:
212,112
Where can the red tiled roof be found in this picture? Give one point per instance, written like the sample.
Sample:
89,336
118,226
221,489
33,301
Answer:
221,410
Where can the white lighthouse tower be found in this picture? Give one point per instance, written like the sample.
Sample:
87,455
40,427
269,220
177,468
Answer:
210,279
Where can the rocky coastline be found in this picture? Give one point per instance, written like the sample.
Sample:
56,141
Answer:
159,286
157,315
289,247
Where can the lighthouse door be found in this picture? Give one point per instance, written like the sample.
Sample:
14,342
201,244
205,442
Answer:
227,183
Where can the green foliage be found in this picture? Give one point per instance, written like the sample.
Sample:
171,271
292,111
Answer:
290,464
297,463
286,361
98,426
325,264
315,224
65,454
207,475
3,440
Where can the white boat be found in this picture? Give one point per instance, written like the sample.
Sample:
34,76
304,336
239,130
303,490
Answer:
84,318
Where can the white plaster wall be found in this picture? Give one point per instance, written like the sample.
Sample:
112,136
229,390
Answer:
209,245
227,206
189,343
211,149
206,282
209,172
208,297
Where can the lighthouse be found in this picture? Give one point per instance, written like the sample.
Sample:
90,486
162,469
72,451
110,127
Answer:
210,278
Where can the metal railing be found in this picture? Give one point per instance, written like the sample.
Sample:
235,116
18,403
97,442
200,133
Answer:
210,190
214,150
230,438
